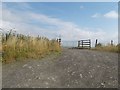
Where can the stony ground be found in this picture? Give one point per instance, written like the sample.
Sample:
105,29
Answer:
74,68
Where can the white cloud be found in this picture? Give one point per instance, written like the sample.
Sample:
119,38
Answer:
52,21
10,16
111,14
96,15
68,30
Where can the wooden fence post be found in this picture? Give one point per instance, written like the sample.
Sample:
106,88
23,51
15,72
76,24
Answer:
78,43
59,41
96,42
112,42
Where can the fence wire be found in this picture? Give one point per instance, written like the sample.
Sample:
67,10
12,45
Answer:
69,43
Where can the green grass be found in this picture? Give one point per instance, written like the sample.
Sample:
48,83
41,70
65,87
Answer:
19,46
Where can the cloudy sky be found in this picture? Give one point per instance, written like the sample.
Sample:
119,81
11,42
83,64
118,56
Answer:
71,21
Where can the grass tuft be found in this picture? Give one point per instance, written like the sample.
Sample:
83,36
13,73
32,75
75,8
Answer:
19,46
108,48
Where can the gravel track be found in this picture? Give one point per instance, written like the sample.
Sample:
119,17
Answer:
74,68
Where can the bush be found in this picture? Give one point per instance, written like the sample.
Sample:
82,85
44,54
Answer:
99,45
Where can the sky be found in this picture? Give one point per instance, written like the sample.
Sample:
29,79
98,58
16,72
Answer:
72,21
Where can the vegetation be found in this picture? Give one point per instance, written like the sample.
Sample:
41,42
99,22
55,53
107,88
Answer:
15,46
108,47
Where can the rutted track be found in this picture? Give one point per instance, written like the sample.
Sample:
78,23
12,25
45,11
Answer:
74,68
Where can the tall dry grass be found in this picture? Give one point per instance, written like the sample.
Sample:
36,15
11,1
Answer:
108,48
19,46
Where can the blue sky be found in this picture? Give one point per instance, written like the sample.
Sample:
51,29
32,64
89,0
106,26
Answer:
73,21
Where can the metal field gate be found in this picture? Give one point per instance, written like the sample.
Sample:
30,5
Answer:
84,44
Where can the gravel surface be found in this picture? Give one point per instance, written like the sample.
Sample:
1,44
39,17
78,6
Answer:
74,68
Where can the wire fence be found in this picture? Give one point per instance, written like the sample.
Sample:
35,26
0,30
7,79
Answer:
69,43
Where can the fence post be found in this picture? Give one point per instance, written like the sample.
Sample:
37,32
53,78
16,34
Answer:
112,42
96,43
78,43
90,43
59,41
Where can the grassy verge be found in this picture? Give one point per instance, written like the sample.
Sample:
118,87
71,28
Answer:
108,48
16,47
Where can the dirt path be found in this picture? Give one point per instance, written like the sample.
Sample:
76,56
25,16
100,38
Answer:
72,69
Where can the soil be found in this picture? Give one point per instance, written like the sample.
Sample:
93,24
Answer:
74,68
